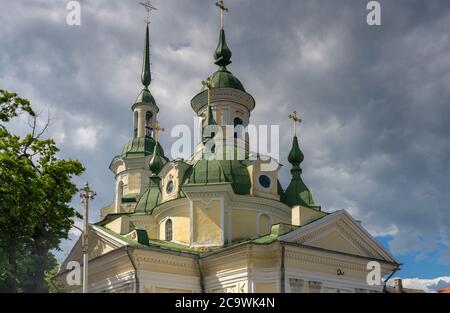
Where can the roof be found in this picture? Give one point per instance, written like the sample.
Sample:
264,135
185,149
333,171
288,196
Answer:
139,146
145,96
444,290
223,78
297,193
217,170
151,198
277,230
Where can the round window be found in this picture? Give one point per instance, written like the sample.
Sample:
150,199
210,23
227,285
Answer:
264,181
169,187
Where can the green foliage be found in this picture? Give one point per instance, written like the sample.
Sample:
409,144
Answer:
11,106
35,193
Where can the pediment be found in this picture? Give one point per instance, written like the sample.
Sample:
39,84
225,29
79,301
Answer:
100,242
339,232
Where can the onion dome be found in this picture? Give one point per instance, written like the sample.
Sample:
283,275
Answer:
295,156
223,78
157,161
297,193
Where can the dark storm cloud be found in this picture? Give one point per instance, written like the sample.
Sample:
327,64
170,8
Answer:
375,100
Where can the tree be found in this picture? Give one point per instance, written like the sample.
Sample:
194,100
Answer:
35,193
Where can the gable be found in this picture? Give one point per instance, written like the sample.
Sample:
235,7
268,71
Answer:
341,233
335,240
100,242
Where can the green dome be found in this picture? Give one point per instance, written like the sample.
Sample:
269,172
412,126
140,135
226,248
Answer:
145,96
138,147
213,171
223,78
297,193
295,156
157,161
151,198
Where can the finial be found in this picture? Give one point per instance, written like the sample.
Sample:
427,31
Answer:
157,128
148,7
296,119
222,9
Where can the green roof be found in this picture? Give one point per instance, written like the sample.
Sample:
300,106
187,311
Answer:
214,170
151,198
157,161
223,78
139,146
145,96
297,193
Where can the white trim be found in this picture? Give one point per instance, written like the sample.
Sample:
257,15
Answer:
115,240
342,214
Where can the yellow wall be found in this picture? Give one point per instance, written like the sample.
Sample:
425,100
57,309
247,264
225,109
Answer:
134,183
180,228
244,224
207,221
266,287
264,224
334,241
302,215
120,225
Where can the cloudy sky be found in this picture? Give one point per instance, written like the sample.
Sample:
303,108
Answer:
375,100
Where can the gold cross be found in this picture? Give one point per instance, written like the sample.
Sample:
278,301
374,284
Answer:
208,84
296,119
157,129
222,8
148,7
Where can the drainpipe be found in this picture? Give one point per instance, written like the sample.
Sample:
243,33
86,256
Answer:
389,277
136,279
282,269
202,280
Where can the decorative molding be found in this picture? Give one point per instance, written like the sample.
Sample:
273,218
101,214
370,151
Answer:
296,285
301,256
315,286
166,261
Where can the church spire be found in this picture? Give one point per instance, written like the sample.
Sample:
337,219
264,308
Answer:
146,76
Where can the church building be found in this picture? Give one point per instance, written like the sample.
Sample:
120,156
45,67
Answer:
218,224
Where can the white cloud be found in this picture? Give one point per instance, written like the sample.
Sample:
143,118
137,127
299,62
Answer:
428,285
86,137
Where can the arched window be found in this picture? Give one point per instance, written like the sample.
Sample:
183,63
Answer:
148,124
264,224
120,189
238,125
169,230
148,118
135,125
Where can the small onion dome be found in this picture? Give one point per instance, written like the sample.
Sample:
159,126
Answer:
222,55
157,161
295,156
